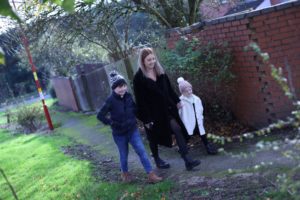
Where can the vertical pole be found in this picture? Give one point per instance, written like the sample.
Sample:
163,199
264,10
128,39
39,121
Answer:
86,89
33,68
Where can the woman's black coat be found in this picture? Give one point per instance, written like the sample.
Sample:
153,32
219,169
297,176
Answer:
156,100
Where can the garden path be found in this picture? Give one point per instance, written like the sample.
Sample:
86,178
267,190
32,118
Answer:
219,176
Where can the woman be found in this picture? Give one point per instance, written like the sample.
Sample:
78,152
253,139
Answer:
158,105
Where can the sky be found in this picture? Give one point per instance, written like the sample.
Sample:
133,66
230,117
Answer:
5,24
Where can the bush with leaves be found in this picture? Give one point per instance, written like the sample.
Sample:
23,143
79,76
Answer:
207,67
287,183
29,118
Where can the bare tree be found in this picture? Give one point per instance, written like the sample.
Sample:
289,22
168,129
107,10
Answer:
170,13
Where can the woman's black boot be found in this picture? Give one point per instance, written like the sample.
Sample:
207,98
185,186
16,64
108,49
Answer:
190,163
161,164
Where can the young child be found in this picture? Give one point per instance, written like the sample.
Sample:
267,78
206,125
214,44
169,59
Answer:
121,107
191,113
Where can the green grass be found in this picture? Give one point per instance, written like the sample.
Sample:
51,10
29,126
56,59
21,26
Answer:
37,168
91,120
3,118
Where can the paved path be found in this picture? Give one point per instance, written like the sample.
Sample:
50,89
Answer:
99,137
211,180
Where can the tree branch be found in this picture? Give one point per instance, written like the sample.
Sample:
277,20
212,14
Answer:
194,7
153,12
9,184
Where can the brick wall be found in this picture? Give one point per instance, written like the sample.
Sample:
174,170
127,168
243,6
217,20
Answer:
258,99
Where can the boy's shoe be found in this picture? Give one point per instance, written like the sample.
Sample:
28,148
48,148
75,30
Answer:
153,178
211,149
161,164
126,177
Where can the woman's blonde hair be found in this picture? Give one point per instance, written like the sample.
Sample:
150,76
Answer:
144,52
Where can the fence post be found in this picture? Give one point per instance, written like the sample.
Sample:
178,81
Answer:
86,89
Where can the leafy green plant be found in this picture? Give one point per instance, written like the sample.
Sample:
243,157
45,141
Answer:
193,56
29,118
277,74
207,67
287,184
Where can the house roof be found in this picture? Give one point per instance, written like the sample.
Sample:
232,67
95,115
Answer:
245,6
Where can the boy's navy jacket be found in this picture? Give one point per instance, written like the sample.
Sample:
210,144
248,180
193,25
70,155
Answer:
122,113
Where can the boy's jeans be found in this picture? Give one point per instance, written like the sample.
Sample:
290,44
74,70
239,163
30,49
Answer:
136,142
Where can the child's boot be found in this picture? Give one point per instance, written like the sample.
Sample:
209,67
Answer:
211,149
126,177
153,178
190,163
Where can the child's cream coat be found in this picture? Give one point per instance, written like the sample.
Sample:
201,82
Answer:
187,113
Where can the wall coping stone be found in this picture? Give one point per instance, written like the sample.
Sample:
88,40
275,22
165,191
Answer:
200,25
253,13
285,5
296,3
268,10
197,25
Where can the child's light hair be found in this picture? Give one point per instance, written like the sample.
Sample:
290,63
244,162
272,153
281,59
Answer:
143,54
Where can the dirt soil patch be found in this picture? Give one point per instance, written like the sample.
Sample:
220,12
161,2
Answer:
104,168
238,186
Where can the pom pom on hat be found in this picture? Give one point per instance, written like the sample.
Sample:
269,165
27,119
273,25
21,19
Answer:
116,79
113,74
183,84
179,80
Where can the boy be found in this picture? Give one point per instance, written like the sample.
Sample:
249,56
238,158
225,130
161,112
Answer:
123,123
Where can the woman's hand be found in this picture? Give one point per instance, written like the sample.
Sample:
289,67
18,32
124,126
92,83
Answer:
179,105
149,125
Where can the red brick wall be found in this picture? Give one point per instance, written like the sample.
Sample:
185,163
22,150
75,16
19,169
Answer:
258,99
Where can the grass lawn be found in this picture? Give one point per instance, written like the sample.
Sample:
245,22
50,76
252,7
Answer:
38,169
3,118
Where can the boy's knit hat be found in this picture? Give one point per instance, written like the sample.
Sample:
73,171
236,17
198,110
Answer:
183,84
116,79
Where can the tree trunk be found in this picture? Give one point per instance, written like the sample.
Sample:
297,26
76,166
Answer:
193,10
129,70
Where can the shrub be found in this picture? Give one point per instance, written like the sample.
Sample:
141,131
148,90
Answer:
29,118
207,68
